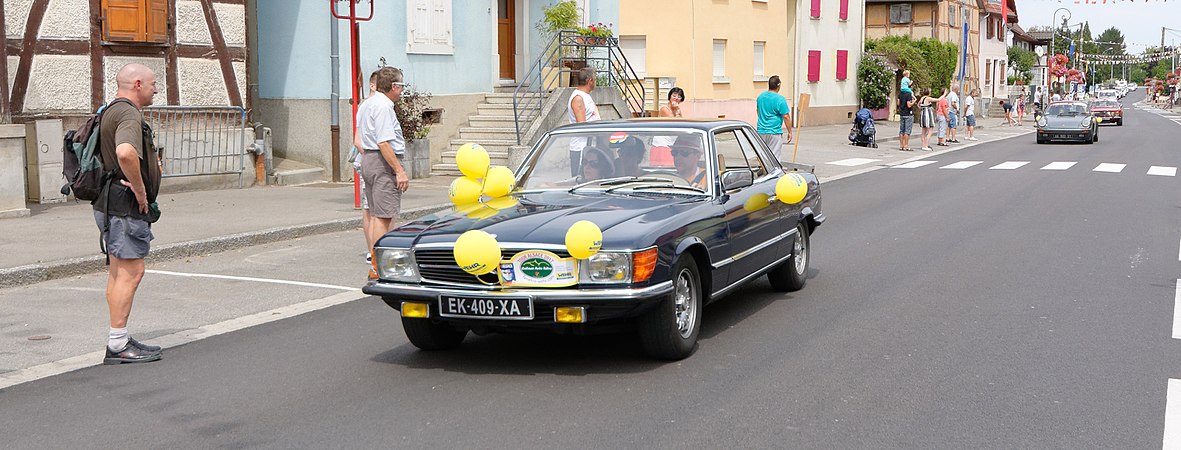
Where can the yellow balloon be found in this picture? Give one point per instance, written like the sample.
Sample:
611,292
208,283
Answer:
477,252
1098,119
502,203
483,212
472,160
791,189
464,191
757,202
499,182
584,239
468,208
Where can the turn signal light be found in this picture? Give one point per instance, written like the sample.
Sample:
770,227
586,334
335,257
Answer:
415,310
643,264
570,314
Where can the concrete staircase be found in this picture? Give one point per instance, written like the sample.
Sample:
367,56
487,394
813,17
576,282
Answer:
492,127
294,173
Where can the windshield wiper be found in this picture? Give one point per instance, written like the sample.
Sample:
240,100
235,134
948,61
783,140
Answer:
662,186
616,181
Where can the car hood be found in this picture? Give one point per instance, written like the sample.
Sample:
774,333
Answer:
628,222
1072,122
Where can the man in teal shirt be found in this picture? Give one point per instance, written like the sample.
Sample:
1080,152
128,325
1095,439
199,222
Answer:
773,114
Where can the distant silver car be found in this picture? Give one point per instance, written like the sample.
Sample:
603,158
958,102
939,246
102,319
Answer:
1067,121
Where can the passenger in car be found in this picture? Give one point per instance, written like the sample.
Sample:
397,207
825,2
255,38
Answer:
597,164
631,155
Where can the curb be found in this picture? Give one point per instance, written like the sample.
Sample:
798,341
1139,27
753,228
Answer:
915,158
36,273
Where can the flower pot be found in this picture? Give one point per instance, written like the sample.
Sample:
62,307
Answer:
880,113
417,161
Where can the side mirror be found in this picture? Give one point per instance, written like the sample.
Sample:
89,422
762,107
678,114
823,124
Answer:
737,179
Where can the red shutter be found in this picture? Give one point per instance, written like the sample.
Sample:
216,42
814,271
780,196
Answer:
842,64
813,65
815,9
844,10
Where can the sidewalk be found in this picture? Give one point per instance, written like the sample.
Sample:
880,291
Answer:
59,241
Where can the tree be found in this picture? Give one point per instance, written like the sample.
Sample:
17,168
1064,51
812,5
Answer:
1111,42
1022,61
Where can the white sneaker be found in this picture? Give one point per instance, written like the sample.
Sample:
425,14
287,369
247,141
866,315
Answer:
926,149
973,139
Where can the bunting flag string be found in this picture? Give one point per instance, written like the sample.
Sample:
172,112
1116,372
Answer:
1126,59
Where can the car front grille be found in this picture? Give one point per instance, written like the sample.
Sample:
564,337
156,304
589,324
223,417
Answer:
439,266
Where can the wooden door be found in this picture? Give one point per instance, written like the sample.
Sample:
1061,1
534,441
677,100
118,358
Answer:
507,39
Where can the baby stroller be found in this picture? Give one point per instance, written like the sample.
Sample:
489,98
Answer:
863,132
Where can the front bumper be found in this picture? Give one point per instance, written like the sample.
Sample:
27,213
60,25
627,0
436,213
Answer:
1064,135
602,304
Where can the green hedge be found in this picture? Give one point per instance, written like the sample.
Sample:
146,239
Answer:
931,63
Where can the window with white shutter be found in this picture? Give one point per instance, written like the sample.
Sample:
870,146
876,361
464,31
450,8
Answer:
759,57
428,27
635,49
720,61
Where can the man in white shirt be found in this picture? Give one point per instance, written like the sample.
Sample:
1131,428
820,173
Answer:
953,123
384,145
970,113
581,108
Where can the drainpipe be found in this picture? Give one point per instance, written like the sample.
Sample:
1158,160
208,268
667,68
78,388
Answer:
334,99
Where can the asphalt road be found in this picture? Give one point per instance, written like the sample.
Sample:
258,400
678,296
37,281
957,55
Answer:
971,308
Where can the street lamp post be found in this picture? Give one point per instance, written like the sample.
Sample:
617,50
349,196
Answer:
1053,43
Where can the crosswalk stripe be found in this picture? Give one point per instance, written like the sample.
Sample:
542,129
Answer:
1009,165
1172,436
853,162
1059,165
961,165
914,164
1109,167
1163,171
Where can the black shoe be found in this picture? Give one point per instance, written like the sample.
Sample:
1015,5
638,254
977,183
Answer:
142,346
130,354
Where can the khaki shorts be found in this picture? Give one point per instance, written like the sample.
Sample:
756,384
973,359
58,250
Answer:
381,187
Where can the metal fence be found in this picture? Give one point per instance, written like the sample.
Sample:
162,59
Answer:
199,140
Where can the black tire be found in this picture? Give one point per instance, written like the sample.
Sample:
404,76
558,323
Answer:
1120,123
1041,141
789,276
432,336
661,331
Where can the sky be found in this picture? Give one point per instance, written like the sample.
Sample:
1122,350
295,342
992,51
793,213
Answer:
1140,21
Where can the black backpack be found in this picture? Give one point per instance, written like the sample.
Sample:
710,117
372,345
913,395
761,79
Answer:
82,162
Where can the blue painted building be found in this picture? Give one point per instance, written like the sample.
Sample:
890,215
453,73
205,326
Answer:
458,50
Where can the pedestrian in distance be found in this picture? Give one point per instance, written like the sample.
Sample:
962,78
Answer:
774,113
661,153
941,112
953,113
970,113
580,107
358,156
1021,107
385,147
906,103
126,208
927,116
1008,108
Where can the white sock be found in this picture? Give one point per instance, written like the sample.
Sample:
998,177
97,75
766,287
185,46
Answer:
117,339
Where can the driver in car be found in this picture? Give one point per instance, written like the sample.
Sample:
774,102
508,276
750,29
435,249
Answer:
686,152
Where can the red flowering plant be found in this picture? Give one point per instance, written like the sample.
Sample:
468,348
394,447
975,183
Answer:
598,29
1058,65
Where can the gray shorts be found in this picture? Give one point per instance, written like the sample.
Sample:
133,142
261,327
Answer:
381,187
774,143
905,125
127,238
941,123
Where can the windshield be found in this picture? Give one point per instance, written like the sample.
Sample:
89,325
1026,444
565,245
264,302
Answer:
1066,109
609,160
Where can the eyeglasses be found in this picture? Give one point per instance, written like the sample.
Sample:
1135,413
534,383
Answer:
684,152
401,85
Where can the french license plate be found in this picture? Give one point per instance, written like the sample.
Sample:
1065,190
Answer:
509,308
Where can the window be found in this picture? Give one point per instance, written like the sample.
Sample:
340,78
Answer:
135,21
900,13
842,65
987,72
735,151
428,27
759,57
720,61
815,9
952,16
813,66
635,49
991,30
844,11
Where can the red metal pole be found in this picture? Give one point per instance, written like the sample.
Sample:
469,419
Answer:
355,62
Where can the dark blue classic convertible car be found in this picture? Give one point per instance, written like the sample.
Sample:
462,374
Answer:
688,213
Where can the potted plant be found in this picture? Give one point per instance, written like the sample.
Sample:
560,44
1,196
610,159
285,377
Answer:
557,17
594,34
410,109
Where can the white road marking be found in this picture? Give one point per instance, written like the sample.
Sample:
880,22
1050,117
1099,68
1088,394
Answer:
1059,165
1009,165
1163,171
914,164
1173,415
1177,311
13,378
961,165
1109,167
260,280
853,162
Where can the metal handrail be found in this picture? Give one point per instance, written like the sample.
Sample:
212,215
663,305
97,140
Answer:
601,53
